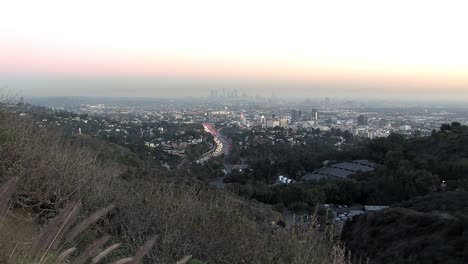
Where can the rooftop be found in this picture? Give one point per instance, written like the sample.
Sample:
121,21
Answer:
341,169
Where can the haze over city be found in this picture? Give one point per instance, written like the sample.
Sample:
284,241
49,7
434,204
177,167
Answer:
241,131
358,49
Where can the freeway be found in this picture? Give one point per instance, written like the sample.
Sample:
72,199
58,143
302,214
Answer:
223,146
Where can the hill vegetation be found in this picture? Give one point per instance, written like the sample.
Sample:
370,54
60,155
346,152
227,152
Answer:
433,229
409,168
414,167
425,182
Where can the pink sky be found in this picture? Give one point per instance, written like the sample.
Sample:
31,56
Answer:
26,61
400,47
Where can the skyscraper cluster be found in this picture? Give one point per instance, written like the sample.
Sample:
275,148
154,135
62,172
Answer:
223,93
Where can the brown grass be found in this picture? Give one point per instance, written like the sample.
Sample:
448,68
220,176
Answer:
91,250
54,230
184,260
144,250
65,255
105,252
6,193
124,261
91,220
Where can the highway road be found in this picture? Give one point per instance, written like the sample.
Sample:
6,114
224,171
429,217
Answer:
223,146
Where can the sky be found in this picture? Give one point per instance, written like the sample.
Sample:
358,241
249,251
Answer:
360,48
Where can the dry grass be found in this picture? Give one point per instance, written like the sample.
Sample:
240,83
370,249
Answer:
51,170
6,193
92,219
184,260
40,250
65,255
54,231
144,250
105,253
92,250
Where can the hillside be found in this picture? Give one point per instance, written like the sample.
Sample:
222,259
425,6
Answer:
188,218
401,235
412,167
425,182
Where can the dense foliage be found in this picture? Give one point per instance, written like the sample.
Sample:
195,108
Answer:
409,168
425,181
431,229
415,167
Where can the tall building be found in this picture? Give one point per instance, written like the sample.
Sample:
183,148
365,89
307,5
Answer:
276,123
296,115
269,123
243,120
283,122
363,120
314,114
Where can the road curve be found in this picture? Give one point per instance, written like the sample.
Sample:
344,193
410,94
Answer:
223,146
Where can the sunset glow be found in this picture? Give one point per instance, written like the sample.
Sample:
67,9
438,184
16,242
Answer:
420,45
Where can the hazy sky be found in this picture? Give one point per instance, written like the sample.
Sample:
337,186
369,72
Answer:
167,48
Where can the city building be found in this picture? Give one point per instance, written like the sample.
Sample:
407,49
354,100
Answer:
283,122
363,120
272,123
243,120
296,115
314,114
340,170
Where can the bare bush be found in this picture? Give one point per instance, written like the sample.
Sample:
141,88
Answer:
51,170
40,251
6,192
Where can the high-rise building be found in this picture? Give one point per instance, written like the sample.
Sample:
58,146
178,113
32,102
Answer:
363,120
269,123
243,120
296,115
283,122
314,114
